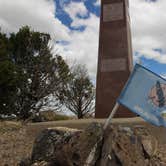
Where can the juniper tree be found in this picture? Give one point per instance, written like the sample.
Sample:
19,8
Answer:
40,73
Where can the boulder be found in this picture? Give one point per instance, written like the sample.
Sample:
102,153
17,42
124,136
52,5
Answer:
150,145
121,147
65,147
50,142
126,147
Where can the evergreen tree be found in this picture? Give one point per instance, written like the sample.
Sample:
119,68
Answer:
10,78
32,70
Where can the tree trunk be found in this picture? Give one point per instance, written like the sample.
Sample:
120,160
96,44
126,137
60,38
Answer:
80,115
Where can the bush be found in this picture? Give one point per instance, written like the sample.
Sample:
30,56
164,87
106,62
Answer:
45,116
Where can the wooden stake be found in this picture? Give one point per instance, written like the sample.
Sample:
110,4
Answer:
108,121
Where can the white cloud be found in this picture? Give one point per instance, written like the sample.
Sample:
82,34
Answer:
39,14
97,3
83,46
76,8
148,22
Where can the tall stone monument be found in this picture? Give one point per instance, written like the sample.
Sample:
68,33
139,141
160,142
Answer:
115,56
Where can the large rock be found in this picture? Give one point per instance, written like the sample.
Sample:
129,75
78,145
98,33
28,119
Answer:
150,145
49,142
124,146
63,147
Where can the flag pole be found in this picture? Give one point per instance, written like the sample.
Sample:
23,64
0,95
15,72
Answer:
92,153
111,115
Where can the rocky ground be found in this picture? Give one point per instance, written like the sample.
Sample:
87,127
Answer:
116,146
16,141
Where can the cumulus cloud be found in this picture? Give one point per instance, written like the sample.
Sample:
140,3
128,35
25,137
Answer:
97,3
76,8
39,14
83,45
148,21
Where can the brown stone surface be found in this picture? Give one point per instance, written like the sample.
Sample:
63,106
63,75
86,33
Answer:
130,146
66,147
115,56
118,145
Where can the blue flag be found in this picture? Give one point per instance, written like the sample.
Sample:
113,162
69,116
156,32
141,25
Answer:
145,95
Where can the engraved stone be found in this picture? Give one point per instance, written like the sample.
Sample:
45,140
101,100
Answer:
111,65
113,12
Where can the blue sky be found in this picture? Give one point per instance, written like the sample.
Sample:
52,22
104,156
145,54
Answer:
65,18
74,27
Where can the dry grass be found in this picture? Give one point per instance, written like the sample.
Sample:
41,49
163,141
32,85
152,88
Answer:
14,143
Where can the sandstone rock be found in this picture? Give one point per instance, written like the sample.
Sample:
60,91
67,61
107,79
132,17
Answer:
49,142
69,148
150,145
89,142
126,146
121,147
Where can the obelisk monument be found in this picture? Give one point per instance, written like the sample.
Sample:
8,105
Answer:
115,56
